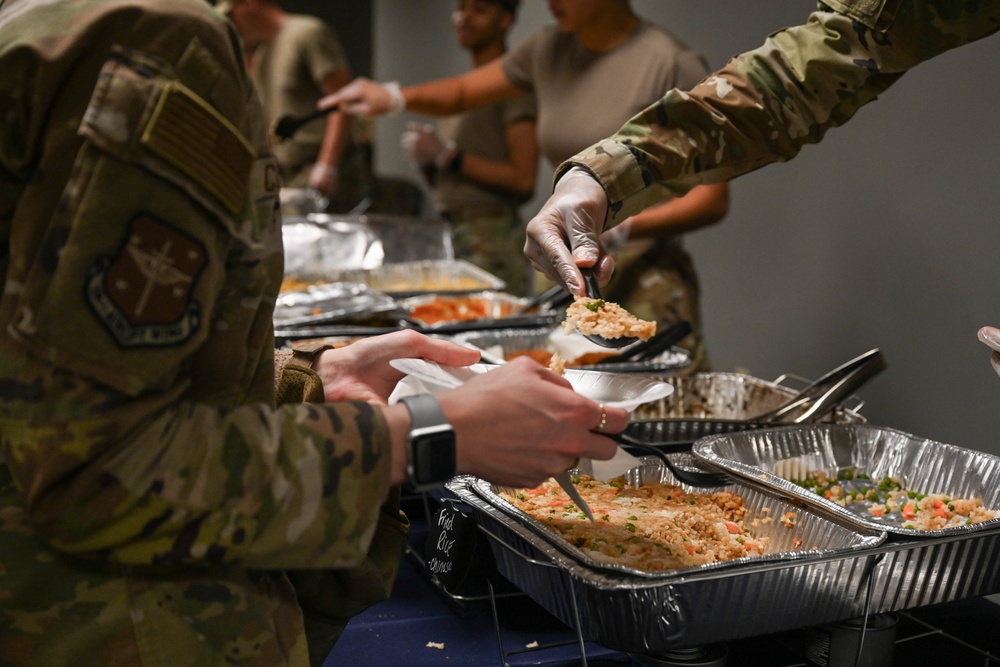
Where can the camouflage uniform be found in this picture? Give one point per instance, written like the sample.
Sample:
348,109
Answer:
150,492
765,105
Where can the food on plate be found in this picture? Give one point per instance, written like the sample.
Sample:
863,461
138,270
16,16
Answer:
460,309
606,319
650,527
889,499
544,357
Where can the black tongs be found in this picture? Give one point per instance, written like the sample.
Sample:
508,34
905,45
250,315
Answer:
826,393
286,126
647,350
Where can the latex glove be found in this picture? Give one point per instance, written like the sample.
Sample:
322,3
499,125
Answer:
520,424
325,178
991,336
615,238
566,232
364,97
421,144
361,371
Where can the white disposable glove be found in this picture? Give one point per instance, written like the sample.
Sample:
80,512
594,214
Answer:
566,232
325,178
991,336
421,144
615,238
364,97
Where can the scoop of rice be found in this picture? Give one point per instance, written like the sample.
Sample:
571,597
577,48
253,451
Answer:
605,319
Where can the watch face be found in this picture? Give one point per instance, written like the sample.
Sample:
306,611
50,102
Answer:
432,455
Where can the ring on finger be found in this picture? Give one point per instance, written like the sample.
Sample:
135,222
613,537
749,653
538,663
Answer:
604,419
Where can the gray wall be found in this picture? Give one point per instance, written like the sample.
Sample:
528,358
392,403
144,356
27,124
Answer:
885,235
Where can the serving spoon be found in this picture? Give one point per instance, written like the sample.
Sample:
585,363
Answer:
594,292
286,126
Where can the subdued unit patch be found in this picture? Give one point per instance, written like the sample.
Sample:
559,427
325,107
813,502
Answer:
144,294
189,134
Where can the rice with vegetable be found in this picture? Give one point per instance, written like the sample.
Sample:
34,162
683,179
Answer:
888,498
605,319
650,527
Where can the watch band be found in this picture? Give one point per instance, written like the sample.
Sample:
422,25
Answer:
432,443
425,411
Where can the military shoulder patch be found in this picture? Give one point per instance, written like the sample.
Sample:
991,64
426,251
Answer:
189,134
144,294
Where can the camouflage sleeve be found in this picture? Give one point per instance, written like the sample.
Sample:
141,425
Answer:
765,105
142,257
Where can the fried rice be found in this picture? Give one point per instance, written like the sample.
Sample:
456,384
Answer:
651,527
606,319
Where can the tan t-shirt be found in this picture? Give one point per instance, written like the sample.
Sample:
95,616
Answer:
288,73
480,131
583,96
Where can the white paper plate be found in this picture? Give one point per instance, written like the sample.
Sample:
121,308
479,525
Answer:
613,389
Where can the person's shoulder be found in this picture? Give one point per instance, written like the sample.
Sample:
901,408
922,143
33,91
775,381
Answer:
305,24
545,38
650,35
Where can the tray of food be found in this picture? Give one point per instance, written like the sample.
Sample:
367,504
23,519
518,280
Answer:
405,279
541,343
330,302
650,525
475,311
712,403
874,477
809,569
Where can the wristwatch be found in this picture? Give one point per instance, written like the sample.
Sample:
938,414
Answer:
432,443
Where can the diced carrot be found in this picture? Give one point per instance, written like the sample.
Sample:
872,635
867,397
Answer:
909,511
732,528
941,512
559,502
689,549
877,512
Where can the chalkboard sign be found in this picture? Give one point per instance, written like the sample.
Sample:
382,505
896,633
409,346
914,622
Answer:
451,544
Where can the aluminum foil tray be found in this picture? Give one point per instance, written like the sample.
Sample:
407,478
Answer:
406,279
768,456
318,251
501,310
502,342
692,607
320,247
711,403
329,302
